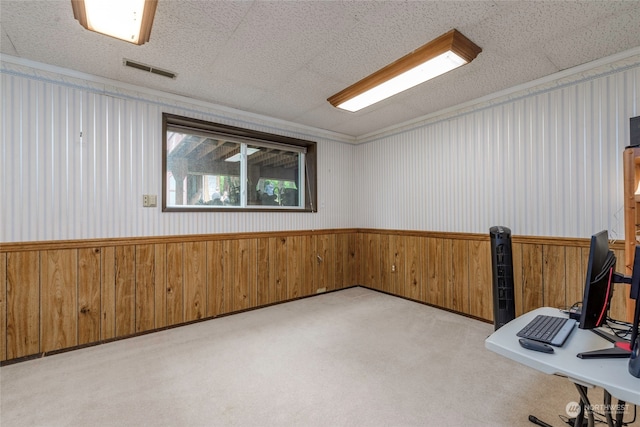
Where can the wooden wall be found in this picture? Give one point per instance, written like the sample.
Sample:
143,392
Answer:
454,270
64,294
57,295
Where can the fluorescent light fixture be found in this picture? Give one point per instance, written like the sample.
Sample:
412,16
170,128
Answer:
128,20
236,157
447,52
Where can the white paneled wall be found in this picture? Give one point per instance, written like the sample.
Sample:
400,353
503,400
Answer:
547,162
76,158
77,155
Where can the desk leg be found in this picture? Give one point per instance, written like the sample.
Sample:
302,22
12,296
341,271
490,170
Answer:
607,411
579,420
607,408
620,415
585,407
538,422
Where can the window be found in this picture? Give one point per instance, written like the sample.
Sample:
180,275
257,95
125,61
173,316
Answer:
214,167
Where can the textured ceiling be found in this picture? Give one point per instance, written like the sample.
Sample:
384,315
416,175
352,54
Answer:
283,59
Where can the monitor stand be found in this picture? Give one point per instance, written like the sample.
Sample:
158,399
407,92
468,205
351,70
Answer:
620,350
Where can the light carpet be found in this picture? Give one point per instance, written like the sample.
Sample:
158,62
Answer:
354,357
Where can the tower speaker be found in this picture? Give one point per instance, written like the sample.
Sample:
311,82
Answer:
504,306
634,360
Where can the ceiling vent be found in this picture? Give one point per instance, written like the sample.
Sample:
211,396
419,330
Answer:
148,68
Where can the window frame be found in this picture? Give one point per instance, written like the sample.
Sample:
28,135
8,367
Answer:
308,170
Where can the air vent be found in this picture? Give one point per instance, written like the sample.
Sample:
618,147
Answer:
148,68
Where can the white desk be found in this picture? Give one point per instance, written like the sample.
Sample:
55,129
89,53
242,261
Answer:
610,374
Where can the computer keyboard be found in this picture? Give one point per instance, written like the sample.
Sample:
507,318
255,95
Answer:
548,329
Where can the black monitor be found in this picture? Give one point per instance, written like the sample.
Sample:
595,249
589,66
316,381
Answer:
635,295
598,286
635,278
601,277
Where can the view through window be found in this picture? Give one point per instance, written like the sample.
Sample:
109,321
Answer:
208,166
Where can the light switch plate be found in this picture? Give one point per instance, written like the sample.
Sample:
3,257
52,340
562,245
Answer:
149,200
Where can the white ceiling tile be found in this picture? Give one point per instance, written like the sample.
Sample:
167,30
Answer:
608,36
284,58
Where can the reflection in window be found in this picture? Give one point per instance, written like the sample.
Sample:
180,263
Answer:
205,168
273,176
200,172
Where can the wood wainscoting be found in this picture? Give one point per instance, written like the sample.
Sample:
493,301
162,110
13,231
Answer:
64,294
454,270
59,295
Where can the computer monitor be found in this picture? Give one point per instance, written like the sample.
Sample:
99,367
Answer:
635,277
598,286
598,291
635,295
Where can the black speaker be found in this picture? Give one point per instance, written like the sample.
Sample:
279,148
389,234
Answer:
504,305
634,360
634,124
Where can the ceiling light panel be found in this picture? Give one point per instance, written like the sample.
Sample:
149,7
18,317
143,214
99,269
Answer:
128,20
447,52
